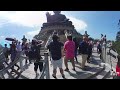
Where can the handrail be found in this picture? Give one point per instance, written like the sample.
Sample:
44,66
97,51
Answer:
17,59
109,56
44,68
45,71
113,53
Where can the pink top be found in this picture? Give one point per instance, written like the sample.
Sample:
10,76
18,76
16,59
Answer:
69,47
118,70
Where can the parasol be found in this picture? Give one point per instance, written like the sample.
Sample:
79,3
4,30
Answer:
10,39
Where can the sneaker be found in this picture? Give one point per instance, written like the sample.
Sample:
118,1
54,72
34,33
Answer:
73,69
54,76
66,69
63,76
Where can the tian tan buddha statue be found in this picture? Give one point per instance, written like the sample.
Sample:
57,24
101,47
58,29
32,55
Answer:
57,18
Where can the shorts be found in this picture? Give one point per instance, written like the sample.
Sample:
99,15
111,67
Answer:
57,63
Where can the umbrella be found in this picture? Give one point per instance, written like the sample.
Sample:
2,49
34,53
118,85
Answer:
10,39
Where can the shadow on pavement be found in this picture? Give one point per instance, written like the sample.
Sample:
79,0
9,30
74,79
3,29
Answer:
87,68
77,75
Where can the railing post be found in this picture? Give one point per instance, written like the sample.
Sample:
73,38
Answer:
47,66
21,63
103,54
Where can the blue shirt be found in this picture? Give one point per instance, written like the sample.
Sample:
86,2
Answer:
84,47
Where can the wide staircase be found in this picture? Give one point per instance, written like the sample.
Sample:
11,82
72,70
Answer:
94,70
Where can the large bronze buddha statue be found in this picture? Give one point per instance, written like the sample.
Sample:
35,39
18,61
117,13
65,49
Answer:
57,18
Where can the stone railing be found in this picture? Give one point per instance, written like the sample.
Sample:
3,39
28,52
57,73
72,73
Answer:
109,56
5,73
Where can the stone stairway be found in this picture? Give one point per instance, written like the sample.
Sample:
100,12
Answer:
93,70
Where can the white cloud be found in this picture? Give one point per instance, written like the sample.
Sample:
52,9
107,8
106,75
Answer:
2,36
34,18
80,25
33,33
27,18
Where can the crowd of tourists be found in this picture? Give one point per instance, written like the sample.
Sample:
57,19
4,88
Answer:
69,50
30,49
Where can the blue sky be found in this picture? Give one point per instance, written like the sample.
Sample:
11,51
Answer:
19,23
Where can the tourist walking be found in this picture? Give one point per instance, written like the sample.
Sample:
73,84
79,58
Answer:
90,46
26,50
19,47
37,57
76,48
84,51
69,49
13,52
99,49
56,54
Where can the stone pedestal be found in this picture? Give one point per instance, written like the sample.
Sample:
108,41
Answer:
58,23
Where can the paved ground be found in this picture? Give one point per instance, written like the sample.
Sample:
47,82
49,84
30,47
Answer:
91,68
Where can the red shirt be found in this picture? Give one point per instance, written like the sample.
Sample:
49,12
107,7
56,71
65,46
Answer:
118,70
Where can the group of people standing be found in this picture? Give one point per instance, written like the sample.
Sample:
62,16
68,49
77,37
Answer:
15,48
29,49
69,50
